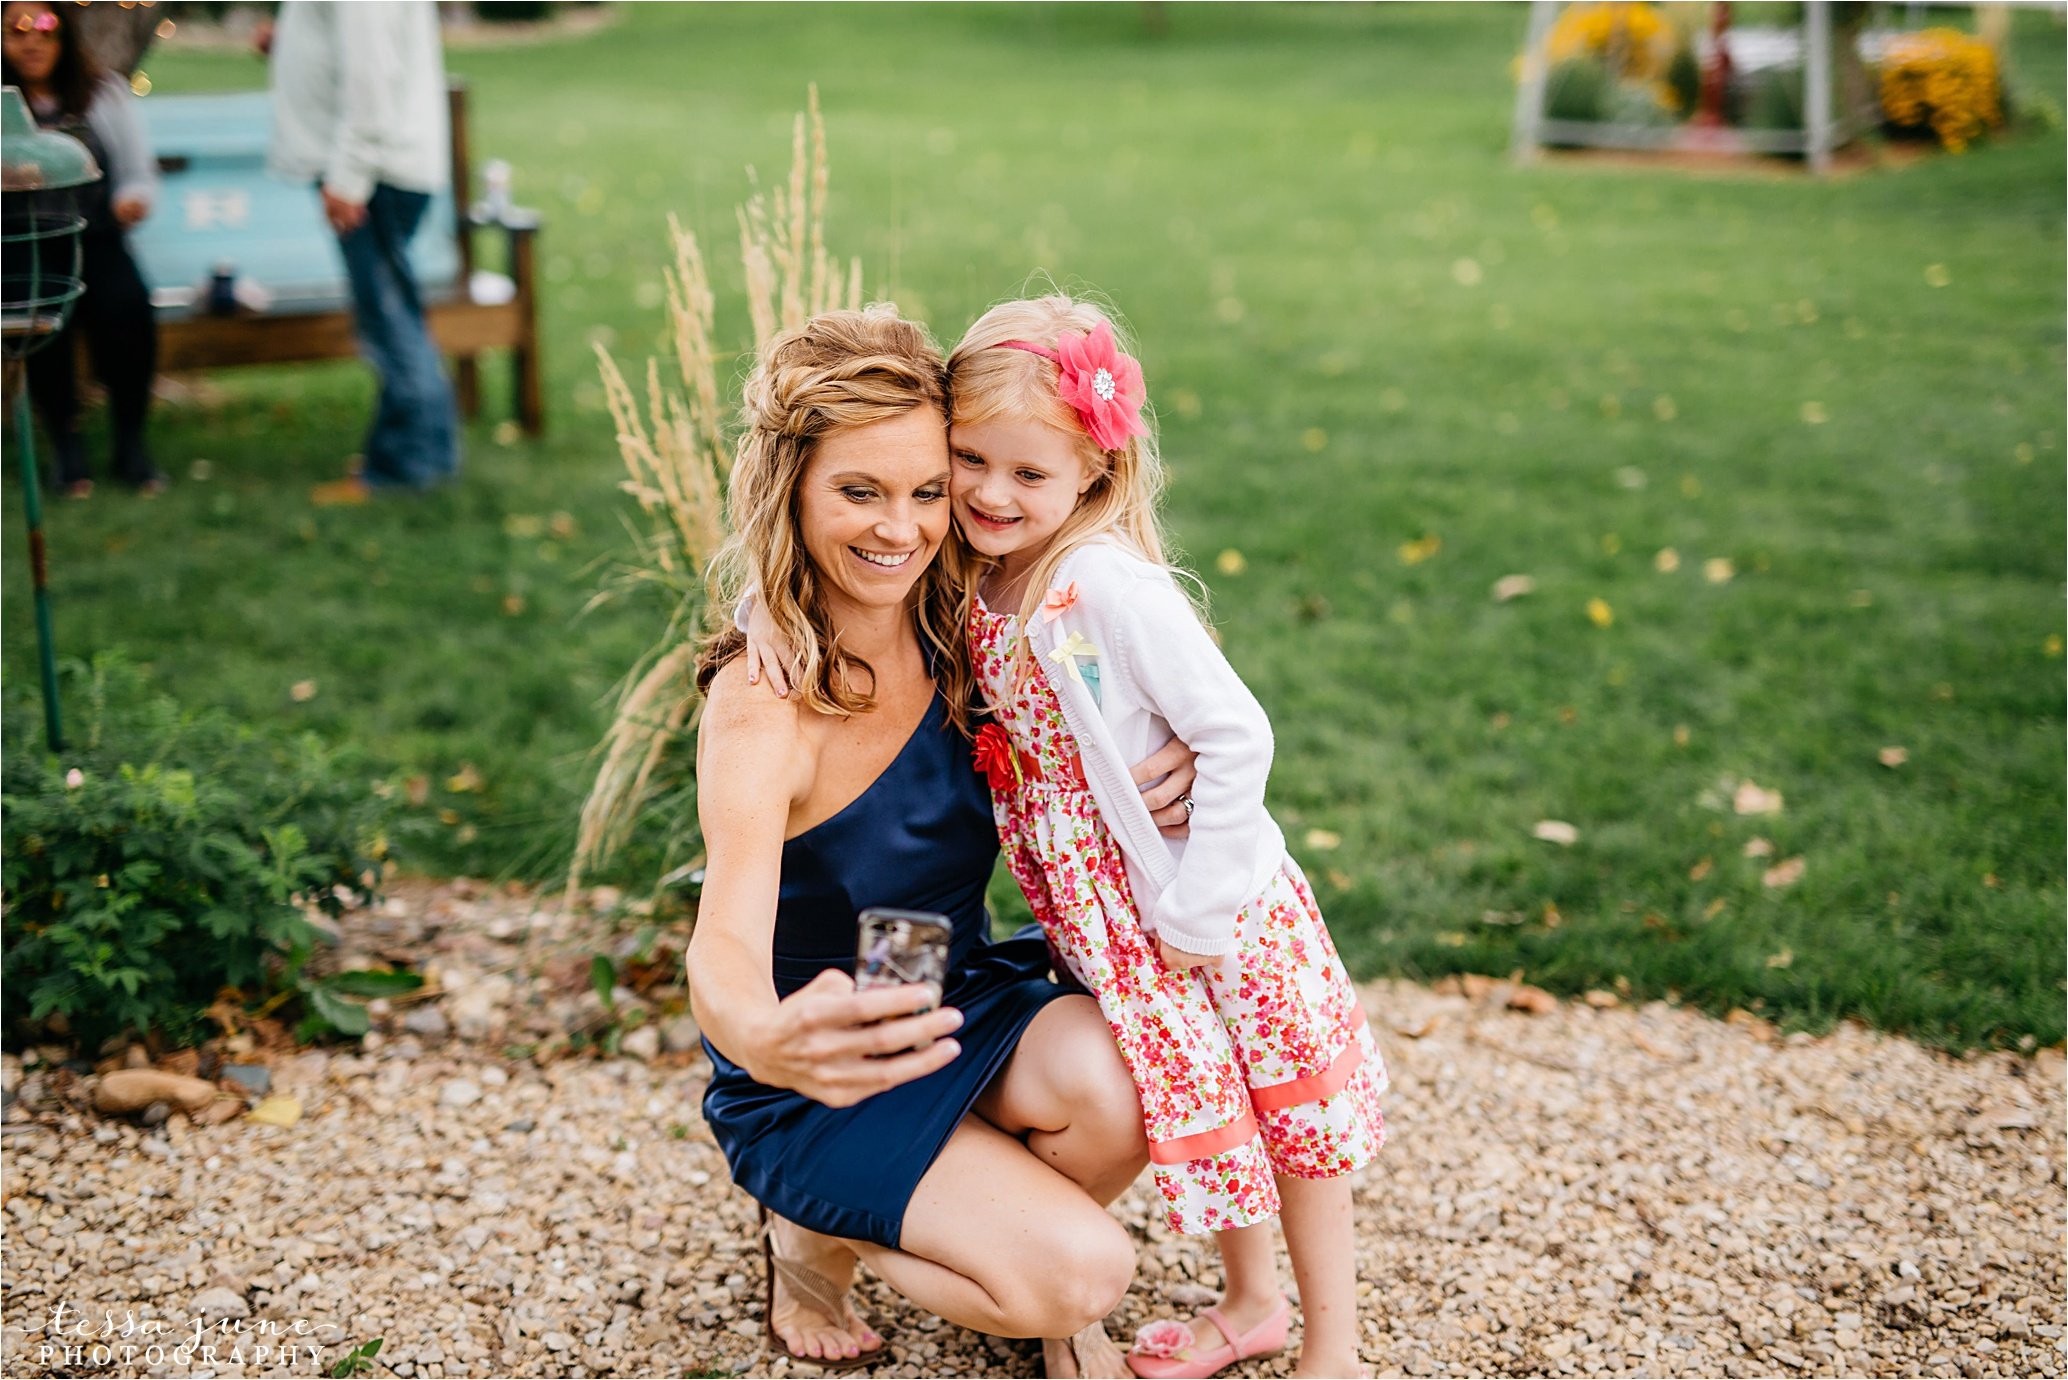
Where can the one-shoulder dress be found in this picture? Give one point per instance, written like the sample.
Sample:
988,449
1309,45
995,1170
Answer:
920,837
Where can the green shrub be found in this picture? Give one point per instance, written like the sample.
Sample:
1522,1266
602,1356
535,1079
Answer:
1577,90
1684,79
161,857
1774,99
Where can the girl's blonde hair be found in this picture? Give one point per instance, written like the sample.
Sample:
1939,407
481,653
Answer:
839,370
986,383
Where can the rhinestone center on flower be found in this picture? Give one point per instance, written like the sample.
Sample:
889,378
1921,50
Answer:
1102,384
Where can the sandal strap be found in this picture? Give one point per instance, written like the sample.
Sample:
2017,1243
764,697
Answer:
813,1287
1085,1334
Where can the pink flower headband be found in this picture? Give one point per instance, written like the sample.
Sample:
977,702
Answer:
1103,384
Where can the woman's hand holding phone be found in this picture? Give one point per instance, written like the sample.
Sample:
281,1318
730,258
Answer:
838,1046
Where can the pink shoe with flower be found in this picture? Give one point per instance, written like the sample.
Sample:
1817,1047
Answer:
1170,1350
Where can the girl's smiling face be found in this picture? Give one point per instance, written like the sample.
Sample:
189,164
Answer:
1014,485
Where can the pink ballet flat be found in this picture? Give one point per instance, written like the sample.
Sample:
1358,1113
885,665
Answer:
1169,1350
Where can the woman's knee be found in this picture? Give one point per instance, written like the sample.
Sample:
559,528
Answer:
1078,1278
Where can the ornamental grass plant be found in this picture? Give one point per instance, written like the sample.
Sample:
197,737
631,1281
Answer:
678,453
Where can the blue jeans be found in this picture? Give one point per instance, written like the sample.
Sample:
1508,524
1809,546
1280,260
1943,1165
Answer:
414,440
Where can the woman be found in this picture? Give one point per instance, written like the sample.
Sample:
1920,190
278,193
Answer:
965,1152
66,90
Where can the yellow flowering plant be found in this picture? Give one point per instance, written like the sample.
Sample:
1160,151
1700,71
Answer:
1632,42
1944,80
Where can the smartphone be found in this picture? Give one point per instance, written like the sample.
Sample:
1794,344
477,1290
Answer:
893,947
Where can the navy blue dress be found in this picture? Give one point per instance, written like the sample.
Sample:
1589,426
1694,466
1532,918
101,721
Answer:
920,837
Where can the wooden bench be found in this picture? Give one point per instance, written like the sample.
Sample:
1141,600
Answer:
220,207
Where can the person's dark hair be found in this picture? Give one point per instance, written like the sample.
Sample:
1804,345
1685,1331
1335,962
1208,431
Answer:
76,75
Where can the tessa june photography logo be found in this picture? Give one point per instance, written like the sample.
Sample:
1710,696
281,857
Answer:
75,1339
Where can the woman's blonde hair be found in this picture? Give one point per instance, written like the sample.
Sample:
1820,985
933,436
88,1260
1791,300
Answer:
839,370
987,383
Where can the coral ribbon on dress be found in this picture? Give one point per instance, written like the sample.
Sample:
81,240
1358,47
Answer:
1290,1093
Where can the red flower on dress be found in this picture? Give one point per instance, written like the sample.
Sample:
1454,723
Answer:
995,757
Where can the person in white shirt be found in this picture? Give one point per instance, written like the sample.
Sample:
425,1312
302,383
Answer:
359,110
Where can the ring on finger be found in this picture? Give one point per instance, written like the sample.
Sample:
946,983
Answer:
1186,801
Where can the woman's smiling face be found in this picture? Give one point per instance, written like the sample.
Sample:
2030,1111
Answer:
1015,484
872,509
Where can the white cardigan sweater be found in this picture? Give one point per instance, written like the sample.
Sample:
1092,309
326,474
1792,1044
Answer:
1152,672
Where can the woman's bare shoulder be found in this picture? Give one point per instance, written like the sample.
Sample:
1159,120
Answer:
749,718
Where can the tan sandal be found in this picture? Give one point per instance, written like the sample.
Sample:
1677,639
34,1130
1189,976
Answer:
816,1290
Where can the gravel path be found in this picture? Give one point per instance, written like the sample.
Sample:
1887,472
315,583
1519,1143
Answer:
1591,1190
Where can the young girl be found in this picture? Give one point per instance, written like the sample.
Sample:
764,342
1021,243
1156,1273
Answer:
1259,1079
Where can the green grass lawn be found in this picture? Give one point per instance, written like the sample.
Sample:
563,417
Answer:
1363,328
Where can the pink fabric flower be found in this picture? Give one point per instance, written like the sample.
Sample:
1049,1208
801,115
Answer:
1058,602
1104,385
1166,1340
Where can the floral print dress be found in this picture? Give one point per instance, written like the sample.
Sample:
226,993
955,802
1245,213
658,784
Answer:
1258,1066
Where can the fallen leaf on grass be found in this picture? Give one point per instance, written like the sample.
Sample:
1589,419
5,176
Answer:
417,789
1719,570
1602,1000
1452,939
1759,848
1893,756
277,1111
1713,909
1419,550
1322,840
1783,874
1555,831
1231,562
1667,561
1785,958
302,691
465,779
1513,587
1700,869
1753,799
